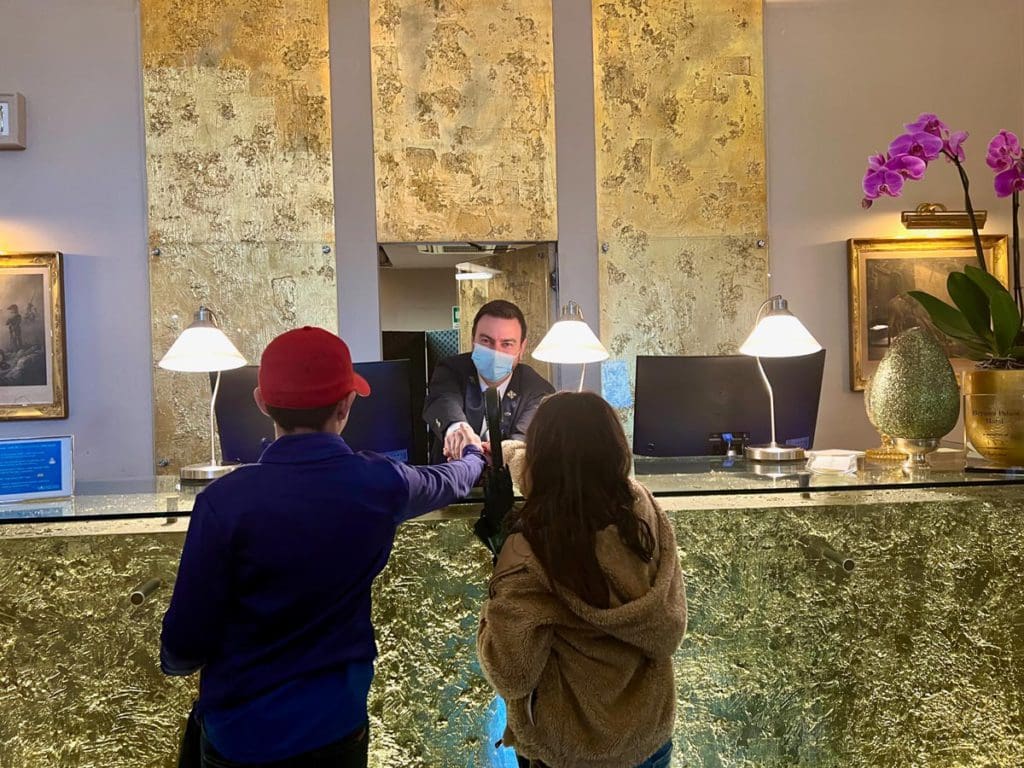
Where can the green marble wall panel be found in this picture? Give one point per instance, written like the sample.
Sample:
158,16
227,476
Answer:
681,191
913,658
463,112
241,201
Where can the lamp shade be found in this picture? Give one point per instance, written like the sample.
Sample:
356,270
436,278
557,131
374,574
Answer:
779,334
570,340
202,347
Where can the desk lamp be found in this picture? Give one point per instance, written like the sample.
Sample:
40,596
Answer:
570,340
777,333
203,348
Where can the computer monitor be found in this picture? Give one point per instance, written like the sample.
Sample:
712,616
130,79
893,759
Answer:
243,428
411,346
381,422
681,401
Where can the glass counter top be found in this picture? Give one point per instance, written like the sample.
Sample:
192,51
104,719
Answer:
725,476
710,477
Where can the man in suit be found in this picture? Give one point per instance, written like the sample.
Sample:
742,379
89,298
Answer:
454,408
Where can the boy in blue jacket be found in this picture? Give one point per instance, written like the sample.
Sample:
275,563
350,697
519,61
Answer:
272,599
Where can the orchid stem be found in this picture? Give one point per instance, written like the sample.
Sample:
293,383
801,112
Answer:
970,210
1016,255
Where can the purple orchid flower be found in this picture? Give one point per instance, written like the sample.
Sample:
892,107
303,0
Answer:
953,146
919,144
909,155
885,175
928,123
1003,151
1011,180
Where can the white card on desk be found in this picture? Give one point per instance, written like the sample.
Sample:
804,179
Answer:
834,460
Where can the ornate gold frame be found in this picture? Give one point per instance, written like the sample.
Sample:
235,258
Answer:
54,406
859,252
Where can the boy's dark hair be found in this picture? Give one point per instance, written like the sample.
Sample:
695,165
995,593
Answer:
503,309
290,419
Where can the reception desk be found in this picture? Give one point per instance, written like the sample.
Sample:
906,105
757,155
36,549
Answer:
868,620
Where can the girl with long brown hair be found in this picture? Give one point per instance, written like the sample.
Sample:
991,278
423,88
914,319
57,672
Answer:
587,602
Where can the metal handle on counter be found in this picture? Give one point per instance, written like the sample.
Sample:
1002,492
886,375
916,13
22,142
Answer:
144,590
816,545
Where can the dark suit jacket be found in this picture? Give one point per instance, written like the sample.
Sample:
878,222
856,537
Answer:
454,395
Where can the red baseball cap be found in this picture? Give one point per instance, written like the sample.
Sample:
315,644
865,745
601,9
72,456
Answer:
308,368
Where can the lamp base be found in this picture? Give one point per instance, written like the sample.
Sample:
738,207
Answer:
204,473
774,452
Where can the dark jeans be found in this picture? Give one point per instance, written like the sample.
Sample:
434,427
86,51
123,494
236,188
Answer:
660,759
349,752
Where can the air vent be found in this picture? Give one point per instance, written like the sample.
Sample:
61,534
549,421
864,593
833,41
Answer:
464,248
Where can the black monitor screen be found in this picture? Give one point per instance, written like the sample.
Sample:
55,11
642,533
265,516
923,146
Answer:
681,401
244,430
381,422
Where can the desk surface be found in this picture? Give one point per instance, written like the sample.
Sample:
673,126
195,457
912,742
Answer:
685,479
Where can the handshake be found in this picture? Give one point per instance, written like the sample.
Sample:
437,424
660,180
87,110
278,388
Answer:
458,437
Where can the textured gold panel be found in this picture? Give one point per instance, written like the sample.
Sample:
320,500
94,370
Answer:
241,202
524,280
80,681
680,174
463,109
914,658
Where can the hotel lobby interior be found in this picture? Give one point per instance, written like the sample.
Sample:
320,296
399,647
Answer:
668,166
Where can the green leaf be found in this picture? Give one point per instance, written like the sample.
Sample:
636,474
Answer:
976,351
947,319
1005,322
987,282
972,302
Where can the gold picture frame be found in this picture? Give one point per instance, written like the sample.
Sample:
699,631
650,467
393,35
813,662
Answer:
881,271
33,353
12,121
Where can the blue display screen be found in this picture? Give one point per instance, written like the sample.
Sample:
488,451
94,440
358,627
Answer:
31,466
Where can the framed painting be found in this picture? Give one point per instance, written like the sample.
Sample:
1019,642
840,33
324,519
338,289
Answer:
882,271
33,355
12,121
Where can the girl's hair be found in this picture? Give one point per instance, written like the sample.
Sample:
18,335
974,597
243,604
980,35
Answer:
577,483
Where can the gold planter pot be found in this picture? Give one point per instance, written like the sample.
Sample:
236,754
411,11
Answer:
994,415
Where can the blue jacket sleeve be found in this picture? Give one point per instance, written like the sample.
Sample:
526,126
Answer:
193,622
439,485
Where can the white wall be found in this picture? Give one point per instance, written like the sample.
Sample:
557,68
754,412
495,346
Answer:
355,204
843,76
80,188
417,299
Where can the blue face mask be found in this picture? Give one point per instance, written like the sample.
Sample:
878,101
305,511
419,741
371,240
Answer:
492,365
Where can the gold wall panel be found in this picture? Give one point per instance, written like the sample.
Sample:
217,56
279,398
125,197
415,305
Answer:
463,111
241,201
524,280
681,194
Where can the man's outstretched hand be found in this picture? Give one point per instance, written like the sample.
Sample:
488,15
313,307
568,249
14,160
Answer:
456,440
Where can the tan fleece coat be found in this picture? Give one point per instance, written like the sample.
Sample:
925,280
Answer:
586,687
